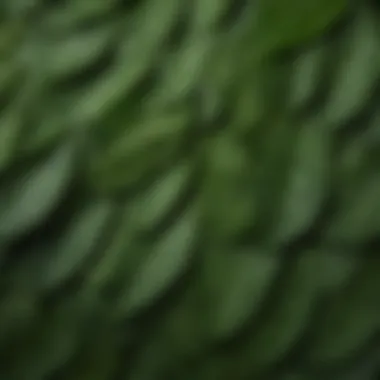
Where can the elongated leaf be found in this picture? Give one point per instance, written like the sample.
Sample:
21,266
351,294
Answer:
229,192
137,55
167,261
184,71
120,258
75,52
77,244
74,14
145,149
306,76
11,122
308,182
243,288
161,197
290,317
207,13
358,71
32,197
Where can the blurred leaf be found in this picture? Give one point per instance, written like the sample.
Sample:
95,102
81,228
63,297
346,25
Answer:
358,218
307,72
289,317
286,24
10,128
208,13
50,343
121,257
168,260
29,199
228,189
145,148
183,72
357,73
308,182
241,282
352,321
76,52
76,244
154,204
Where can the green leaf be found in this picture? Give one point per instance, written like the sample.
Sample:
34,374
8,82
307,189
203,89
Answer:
185,328
290,315
18,312
308,182
11,123
145,148
242,281
76,52
337,269
154,204
207,13
183,72
307,71
358,71
120,258
283,24
50,343
76,244
167,261
358,218
29,199
153,359
137,54
98,359
102,95
228,199
72,15
352,319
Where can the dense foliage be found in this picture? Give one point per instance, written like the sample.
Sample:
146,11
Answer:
189,190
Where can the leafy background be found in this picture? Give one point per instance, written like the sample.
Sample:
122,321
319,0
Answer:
189,189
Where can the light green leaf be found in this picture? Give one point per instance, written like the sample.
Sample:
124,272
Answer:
308,182
74,14
76,51
29,199
307,71
138,53
358,71
207,13
161,197
184,70
169,258
104,93
76,244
